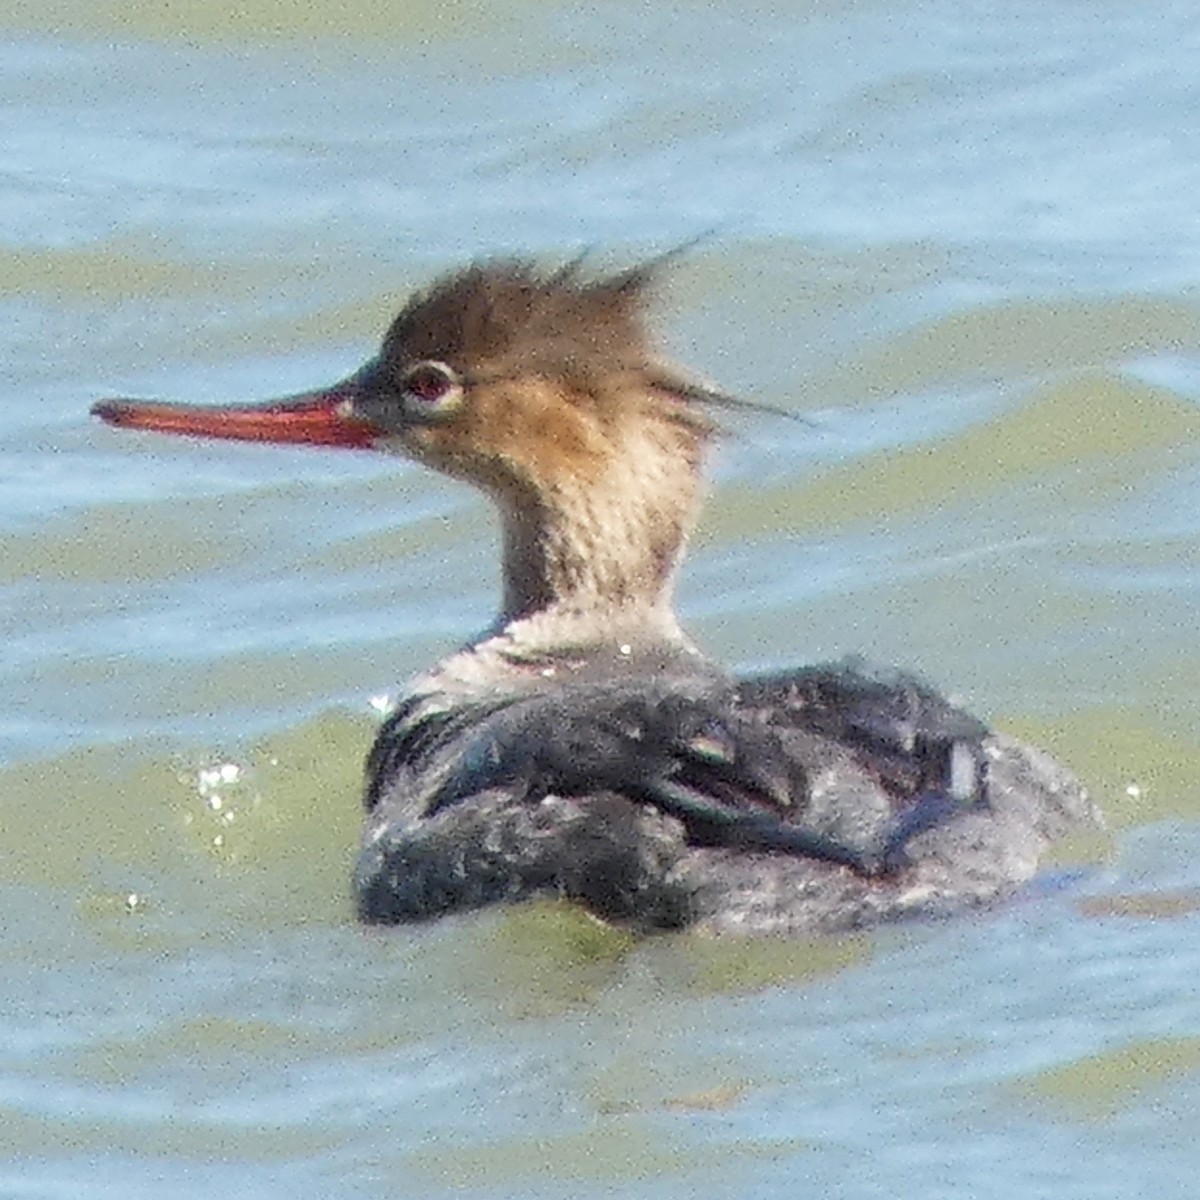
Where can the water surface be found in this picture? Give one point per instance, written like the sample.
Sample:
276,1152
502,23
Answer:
962,240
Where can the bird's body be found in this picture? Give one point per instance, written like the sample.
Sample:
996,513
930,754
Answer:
583,746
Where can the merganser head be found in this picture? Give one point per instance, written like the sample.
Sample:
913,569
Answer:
543,389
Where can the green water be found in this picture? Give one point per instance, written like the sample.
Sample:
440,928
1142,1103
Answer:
962,241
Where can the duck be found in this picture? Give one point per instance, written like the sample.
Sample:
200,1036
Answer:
583,746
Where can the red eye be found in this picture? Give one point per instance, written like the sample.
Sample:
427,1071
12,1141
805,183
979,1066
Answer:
431,387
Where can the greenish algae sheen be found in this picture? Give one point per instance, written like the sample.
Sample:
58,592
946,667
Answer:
118,812
1088,425
217,22
260,296
637,1082
1101,1086
112,273
273,844
1029,338
699,965
541,958
122,543
549,956
670,1068
611,1150
201,1141
1142,906
288,852
1138,771
220,1046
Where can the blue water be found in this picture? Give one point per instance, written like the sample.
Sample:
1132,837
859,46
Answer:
962,240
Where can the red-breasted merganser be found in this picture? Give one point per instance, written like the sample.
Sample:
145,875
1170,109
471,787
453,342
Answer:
582,746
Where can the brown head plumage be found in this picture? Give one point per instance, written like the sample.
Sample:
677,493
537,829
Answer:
509,317
543,388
